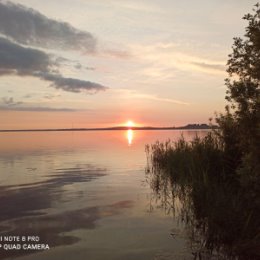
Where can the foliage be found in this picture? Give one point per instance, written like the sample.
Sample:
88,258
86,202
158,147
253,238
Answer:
240,128
189,160
221,219
221,215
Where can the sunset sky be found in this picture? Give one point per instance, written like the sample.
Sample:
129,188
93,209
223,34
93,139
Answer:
85,63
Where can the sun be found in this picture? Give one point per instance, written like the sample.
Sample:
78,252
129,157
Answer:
130,123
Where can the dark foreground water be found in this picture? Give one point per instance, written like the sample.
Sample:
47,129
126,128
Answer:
86,195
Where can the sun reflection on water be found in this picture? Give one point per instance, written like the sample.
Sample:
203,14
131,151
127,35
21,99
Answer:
130,135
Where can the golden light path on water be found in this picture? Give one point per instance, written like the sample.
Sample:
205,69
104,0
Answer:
130,135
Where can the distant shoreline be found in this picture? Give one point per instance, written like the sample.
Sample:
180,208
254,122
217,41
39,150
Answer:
117,128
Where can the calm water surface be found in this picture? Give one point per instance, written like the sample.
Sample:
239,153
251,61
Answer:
86,194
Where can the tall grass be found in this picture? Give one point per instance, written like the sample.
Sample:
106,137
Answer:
220,212
196,160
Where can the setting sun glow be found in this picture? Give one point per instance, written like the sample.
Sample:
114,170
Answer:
130,123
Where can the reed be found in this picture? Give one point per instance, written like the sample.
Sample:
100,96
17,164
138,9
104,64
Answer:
221,214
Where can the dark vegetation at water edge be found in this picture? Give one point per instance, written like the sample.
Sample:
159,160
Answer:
220,209
217,178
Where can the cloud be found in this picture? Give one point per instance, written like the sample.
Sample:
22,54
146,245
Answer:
28,96
9,104
15,59
18,60
9,101
29,27
116,53
205,65
70,84
51,96
78,66
169,100
35,109
164,59
71,63
135,94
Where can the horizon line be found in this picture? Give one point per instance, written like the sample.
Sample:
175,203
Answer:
189,126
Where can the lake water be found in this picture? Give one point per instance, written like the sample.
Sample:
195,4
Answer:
87,196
